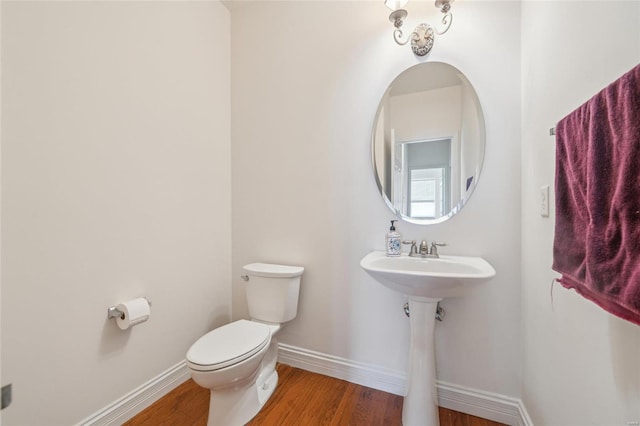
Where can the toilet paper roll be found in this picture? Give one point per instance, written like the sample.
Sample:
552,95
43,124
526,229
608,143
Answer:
134,312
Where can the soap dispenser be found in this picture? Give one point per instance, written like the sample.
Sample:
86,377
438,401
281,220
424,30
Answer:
393,241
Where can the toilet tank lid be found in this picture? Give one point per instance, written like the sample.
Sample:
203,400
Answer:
272,270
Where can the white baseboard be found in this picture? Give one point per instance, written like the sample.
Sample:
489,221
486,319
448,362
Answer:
492,406
137,400
340,368
487,405
499,408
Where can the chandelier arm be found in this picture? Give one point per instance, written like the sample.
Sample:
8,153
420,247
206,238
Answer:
397,36
447,19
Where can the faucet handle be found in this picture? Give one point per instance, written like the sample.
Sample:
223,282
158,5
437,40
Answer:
434,248
413,249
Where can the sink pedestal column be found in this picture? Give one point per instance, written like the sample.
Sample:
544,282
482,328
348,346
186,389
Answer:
421,402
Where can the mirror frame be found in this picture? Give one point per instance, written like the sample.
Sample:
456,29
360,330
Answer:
480,164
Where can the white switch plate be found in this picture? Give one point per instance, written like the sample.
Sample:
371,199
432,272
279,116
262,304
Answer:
544,201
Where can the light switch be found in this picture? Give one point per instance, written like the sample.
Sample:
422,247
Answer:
6,396
544,201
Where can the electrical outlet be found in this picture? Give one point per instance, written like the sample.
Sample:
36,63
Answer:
544,201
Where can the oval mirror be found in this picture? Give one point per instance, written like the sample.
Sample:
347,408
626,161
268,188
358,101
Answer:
428,143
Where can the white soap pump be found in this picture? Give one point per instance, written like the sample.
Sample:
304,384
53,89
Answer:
393,241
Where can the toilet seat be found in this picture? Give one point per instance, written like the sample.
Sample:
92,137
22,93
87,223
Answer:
228,345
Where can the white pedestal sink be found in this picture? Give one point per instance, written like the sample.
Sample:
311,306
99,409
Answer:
425,281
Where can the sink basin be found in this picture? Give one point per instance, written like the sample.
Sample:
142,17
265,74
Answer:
426,277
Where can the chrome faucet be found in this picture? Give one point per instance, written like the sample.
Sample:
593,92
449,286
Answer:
424,250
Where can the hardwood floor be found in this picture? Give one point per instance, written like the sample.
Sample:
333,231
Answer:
302,398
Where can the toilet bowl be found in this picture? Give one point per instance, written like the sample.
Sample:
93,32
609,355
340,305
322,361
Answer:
237,361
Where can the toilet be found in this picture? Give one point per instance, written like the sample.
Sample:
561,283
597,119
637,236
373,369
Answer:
237,361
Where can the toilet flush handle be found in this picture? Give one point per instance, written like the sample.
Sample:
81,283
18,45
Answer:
245,277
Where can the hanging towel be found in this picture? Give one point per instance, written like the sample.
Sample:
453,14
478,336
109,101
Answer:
597,235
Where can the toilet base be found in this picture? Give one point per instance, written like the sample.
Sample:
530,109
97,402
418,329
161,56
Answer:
238,405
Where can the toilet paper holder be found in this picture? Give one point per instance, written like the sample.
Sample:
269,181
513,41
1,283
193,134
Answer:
114,312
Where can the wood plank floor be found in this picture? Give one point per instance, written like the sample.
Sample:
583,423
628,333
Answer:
302,398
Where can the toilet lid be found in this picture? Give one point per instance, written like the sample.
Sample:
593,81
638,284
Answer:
228,345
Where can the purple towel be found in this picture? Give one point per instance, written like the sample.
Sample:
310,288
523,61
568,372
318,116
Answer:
597,237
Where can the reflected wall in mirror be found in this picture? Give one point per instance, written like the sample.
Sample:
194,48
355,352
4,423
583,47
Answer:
428,143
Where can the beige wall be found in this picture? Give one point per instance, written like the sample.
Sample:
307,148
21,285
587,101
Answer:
581,364
115,184
304,103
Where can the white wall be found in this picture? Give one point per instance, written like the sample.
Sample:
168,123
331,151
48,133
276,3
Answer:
307,79
429,114
581,364
470,138
116,169
115,184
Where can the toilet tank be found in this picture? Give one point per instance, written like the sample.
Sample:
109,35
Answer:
272,291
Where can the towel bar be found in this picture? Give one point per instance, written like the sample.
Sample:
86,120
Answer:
552,131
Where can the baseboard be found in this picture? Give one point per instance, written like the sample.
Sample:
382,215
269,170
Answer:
137,400
499,408
487,405
340,368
